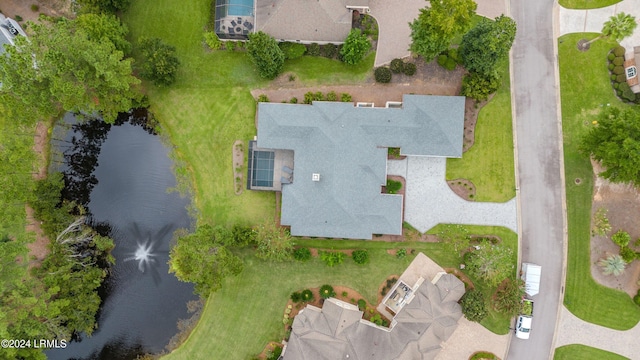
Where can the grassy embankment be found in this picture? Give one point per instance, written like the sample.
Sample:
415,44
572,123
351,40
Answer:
585,90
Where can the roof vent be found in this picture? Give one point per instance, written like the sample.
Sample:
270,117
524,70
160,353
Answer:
315,177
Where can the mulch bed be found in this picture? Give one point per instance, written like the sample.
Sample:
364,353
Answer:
463,188
238,160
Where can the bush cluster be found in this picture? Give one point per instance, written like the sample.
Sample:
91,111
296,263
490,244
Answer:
618,78
387,286
397,66
292,50
360,256
393,186
310,97
362,305
313,49
474,306
479,87
382,74
302,254
332,258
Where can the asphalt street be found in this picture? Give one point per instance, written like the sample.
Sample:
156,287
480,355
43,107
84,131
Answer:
539,156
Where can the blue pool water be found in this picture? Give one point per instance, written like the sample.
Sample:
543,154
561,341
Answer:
240,8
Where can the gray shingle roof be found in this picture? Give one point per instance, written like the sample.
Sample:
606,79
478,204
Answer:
422,325
347,147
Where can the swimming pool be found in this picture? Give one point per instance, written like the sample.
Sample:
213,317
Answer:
239,7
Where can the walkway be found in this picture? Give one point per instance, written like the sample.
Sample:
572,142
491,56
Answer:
577,21
429,201
576,331
393,23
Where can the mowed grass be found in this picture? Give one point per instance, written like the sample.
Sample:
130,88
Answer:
489,164
586,4
585,90
317,70
583,352
241,318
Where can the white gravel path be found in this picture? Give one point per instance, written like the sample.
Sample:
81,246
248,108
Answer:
429,201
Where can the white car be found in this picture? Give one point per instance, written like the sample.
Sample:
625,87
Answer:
523,326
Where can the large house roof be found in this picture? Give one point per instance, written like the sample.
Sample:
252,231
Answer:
346,147
308,21
337,332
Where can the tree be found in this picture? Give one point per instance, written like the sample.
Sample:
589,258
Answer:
102,6
509,296
274,243
59,68
491,263
487,44
159,61
474,306
615,142
201,258
355,47
618,27
105,27
613,264
265,54
436,26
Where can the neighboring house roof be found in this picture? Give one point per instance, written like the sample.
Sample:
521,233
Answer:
347,147
337,332
9,29
307,21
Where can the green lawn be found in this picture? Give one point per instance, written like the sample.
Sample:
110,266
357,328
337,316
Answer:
582,352
316,70
241,318
584,81
586,4
489,163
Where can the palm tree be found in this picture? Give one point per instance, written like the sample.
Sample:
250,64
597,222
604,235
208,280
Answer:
613,264
618,27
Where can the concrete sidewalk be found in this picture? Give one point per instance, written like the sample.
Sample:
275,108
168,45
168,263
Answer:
578,21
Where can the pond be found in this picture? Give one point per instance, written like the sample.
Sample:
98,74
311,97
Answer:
122,174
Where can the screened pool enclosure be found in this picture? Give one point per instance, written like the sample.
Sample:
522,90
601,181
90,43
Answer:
234,18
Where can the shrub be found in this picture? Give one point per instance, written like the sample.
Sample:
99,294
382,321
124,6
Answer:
355,47
273,242
159,63
296,297
332,258
292,50
410,69
332,96
362,305
619,51
453,55
308,98
35,8
326,291
479,87
627,254
18,18
329,50
619,60
313,49
474,307
345,97
616,85
382,75
294,100
393,186
306,295
610,67
302,254
265,54
212,40
628,95
397,66
614,264
618,70
263,98
442,59
621,78
401,253
360,256
243,235
621,238
318,96
636,299
275,353
611,56
230,45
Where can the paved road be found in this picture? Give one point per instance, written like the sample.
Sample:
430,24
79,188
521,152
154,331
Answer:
539,167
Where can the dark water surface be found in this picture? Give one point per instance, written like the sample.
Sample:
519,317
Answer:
122,174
